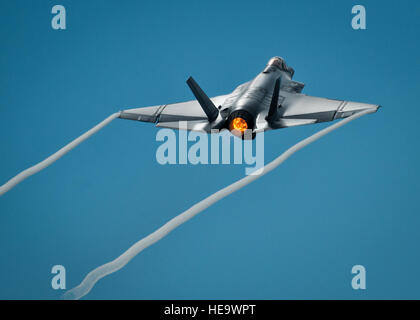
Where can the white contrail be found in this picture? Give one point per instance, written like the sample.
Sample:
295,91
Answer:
92,277
54,157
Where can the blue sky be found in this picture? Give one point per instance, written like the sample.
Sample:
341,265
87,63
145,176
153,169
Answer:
350,198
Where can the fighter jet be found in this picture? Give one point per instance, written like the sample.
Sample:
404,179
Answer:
272,100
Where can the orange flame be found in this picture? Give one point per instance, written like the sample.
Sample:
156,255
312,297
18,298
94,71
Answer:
238,126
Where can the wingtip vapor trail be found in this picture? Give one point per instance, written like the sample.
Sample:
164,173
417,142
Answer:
95,275
54,157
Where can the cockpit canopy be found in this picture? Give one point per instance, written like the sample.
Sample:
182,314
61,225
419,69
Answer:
278,62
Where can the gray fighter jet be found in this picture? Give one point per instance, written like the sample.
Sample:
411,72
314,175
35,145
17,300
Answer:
272,100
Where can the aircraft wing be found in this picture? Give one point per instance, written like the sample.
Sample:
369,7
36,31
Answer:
294,109
299,109
196,113
169,115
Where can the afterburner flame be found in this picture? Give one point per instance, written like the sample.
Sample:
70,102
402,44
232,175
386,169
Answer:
238,126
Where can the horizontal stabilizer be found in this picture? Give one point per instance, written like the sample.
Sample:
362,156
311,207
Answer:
290,122
195,125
